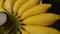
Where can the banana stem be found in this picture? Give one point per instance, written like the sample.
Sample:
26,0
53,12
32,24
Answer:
15,21
3,18
1,30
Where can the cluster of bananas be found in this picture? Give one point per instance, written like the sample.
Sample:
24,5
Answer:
30,16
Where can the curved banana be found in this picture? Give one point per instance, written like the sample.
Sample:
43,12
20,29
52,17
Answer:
39,9
1,6
40,30
22,31
17,5
14,1
1,3
8,5
42,19
2,10
26,6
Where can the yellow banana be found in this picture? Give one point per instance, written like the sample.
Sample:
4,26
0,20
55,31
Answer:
2,10
14,1
26,6
40,30
1,6
42,8
1,3
24,32
17,5
42,19
8,5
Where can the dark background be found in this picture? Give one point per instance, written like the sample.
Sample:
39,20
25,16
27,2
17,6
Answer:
54,9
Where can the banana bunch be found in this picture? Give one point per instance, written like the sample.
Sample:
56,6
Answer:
26,17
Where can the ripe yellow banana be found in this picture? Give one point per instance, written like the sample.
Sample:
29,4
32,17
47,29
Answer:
8,5
40,30
17,5
1,3
1,6
24,32
42,19
26,6
2,10
14,1
42,8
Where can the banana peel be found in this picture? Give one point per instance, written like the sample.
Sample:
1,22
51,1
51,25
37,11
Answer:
15,23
